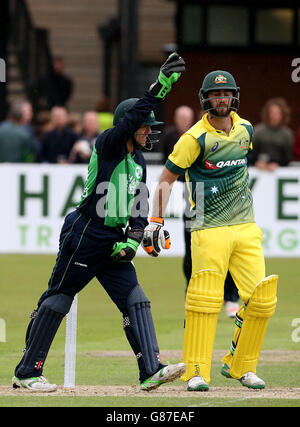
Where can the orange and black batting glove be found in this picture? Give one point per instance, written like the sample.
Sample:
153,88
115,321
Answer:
155,238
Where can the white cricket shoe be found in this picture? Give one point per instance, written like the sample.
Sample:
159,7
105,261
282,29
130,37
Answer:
197,384
251,380
231,308
34,384
165,375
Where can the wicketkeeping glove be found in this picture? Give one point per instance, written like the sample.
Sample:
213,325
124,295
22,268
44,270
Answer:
169,73
155,238
125,251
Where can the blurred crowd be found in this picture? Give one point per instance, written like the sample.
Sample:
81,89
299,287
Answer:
54,136
59,136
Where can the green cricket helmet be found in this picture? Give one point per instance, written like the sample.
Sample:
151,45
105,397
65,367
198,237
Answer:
217,80
125,106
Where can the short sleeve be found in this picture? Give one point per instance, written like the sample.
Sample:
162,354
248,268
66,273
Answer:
184,154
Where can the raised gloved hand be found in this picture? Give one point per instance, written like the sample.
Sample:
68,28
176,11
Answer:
169,73
155,238
125,251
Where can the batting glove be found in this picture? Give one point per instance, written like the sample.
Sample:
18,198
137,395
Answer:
169,73
155,238
125,251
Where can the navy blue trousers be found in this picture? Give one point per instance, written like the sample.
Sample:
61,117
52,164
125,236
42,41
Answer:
84,253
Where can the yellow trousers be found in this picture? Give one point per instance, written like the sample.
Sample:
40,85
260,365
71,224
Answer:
237,248
214,251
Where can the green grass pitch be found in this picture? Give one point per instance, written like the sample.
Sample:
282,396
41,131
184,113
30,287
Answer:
25,277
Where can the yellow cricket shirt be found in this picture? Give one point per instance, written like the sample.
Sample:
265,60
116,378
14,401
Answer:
215,168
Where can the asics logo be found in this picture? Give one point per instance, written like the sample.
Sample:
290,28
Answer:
215,147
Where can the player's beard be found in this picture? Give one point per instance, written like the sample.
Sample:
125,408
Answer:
221,112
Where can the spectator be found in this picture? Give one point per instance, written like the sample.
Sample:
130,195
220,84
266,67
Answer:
27,116
82,149
183,120
75,122
43,124
58,88
272,139
26,122
58,143
105,116
15,143
297,146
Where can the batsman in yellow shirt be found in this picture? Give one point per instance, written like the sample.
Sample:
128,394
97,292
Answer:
213,156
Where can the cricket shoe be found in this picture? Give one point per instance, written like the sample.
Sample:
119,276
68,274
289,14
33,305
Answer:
34,384
197,384
225,371
249,380
164,375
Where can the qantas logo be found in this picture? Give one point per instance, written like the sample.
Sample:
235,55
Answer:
222,164
210,165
